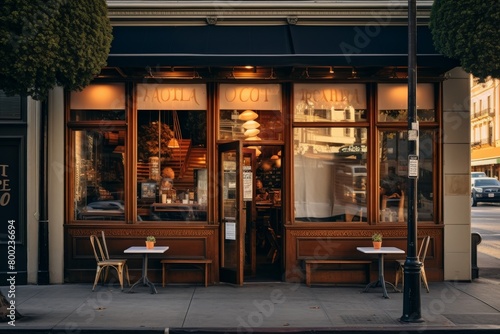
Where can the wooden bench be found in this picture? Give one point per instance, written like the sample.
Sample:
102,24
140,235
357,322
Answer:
165,262
314,262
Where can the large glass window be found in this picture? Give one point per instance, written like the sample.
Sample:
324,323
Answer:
171,152
330,174
393,162
98,152
393,152
330,158
99,174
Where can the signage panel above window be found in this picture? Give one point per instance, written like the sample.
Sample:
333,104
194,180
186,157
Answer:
393,102
171,97
329,102
254,97
99,97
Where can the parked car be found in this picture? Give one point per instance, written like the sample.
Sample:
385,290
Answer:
354,196
474,175
103,210
485,189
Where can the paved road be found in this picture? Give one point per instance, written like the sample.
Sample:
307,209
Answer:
486,222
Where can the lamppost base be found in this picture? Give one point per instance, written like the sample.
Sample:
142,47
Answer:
412,319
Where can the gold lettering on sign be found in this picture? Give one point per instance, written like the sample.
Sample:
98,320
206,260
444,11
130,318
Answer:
4,186
247,94
162,95
332,95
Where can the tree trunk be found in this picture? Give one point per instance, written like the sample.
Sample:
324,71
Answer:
5,312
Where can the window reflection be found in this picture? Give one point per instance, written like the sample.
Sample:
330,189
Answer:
330,174
393,176
250,125
99,174
329,103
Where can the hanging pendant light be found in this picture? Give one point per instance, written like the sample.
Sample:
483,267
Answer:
257,150
250,125
251,132
248,115
173,142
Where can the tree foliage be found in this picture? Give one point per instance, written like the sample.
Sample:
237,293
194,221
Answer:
467,30
48,43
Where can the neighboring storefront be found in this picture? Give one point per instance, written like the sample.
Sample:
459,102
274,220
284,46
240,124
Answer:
13,188
176,136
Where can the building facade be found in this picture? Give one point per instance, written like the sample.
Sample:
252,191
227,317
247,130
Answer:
203,102
485,102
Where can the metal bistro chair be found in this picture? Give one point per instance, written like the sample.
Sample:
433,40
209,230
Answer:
422,252
104,262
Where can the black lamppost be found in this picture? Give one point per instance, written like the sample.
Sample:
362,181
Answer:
411,298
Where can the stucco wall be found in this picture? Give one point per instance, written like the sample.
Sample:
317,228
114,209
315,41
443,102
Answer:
456,176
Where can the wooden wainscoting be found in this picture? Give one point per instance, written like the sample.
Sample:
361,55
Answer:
184,240
317,241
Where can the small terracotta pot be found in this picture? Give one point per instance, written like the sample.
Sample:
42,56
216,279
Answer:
150,244
377,244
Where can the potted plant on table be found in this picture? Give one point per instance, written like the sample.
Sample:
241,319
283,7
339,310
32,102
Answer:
150,242
377,240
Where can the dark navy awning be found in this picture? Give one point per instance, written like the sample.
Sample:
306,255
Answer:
287,45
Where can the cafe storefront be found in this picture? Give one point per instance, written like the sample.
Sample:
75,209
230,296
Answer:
180,161
171,142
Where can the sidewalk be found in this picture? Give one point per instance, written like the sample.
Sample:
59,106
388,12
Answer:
257,307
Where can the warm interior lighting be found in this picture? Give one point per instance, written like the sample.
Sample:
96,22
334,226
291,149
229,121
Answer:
251,132
250,125
173,143
252,73
331,70
257,151
354,74
275,157
253,138
172,73
395,96
99,96
248,115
